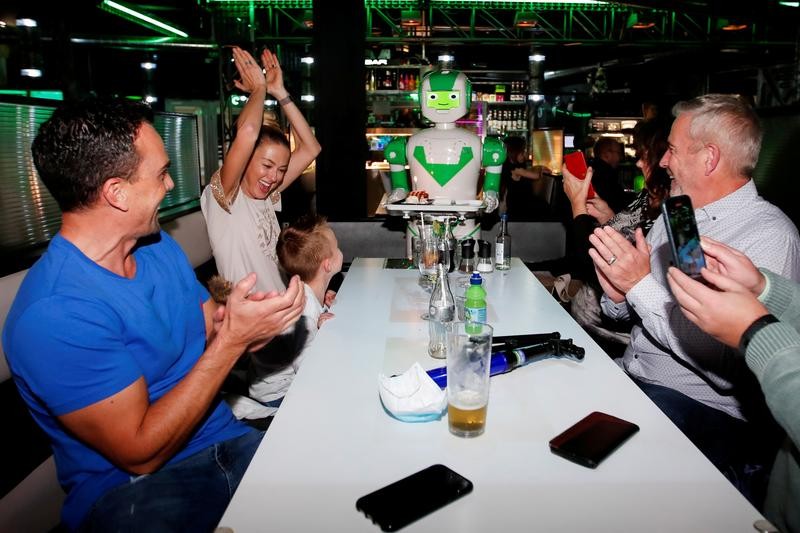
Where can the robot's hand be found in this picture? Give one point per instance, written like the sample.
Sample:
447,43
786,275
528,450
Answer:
491,200
396,195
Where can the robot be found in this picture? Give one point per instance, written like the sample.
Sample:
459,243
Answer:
445,160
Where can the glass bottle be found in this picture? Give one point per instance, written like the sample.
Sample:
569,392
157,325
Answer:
502,247
452,246
441,312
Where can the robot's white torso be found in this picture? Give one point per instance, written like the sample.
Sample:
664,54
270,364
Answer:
445,161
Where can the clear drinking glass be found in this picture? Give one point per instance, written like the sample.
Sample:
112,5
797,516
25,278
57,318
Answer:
428,257
468,364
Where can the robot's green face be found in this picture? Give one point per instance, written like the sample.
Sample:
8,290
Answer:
443,100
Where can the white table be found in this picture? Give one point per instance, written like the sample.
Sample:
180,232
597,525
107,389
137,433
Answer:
332,442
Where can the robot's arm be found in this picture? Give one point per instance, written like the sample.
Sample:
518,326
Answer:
395,153
494,155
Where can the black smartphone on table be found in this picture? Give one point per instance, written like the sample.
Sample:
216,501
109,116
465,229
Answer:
397,505
684,239
592,439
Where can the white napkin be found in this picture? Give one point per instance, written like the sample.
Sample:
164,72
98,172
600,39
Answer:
412,396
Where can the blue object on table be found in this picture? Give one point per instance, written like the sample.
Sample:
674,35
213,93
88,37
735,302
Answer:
503,361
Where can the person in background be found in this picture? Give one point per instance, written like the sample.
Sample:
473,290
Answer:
238,202
115,346
698,382
517,185
756,312
650,142
608,154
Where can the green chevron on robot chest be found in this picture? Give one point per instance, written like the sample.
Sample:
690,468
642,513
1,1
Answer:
442,173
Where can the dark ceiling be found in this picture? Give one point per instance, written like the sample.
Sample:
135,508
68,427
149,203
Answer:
82,48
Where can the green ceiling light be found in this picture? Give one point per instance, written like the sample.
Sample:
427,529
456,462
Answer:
639,21
48,95
486,4
410,17
288,4
789,4
731,25
138,17
525,19
308,18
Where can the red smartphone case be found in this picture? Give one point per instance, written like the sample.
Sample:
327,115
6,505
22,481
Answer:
576,164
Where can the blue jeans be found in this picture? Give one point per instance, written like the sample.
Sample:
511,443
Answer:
190,495
737,448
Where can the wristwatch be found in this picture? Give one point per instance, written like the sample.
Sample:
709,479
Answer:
757,325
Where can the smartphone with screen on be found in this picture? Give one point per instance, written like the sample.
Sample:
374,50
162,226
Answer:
397,505
576,164
592,439
684,240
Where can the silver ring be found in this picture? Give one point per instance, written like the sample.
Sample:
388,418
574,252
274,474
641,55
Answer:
612,260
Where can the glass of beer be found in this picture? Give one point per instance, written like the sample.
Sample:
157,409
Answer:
468,363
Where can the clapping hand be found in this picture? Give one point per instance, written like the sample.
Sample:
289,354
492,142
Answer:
250,73
274,74
621,264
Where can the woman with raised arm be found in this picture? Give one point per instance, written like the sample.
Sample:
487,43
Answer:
238,202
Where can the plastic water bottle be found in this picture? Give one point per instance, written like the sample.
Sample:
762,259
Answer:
475,303
502,247
441,311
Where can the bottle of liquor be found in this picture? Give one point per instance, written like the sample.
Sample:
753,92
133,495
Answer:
441,311
502,247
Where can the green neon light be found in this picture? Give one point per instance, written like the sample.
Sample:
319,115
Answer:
48,95
489,4
304,4
132,97
135,16
41,94
790,4
558,111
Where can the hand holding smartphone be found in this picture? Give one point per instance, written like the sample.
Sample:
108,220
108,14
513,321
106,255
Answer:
684,239
397,505
576,164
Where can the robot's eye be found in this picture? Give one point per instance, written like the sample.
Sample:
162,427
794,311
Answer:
453,96
433,96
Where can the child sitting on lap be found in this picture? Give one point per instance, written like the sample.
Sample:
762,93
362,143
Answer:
308,248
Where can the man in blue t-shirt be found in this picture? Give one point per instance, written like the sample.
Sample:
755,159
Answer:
117,349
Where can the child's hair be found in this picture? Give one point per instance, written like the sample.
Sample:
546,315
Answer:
303,246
